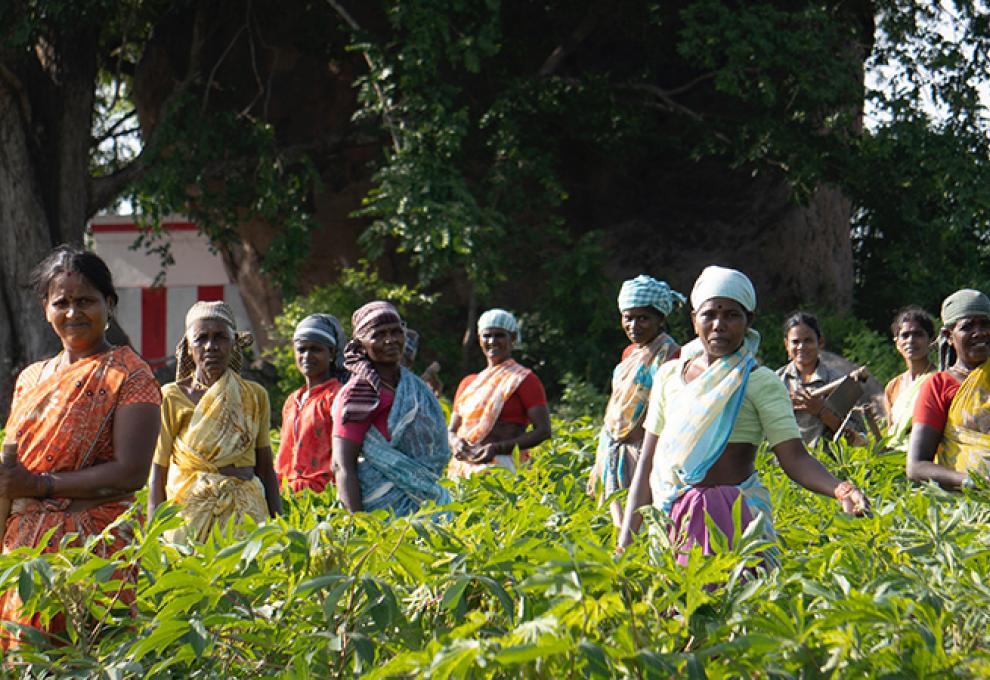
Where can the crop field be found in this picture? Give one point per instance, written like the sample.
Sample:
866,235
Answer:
518,578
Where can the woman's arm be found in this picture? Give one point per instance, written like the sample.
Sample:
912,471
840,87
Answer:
921,465
265,471
804,402
345,455
640,493
135,432
807,471
539,416
156,487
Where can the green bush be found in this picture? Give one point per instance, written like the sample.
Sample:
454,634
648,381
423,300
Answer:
517,578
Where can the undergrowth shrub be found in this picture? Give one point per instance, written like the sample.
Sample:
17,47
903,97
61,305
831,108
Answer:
517,578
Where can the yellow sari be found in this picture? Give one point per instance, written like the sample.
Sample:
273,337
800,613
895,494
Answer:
225,423
966,439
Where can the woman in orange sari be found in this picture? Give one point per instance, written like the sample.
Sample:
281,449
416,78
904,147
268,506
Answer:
82,427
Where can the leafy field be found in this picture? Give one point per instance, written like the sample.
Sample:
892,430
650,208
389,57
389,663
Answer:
518,579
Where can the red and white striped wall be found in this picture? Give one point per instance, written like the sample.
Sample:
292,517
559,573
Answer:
154,316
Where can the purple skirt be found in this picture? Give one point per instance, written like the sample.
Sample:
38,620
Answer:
688,518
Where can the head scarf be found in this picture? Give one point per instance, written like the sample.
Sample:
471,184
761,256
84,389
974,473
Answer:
210,311
363,397
412,345
646,291
325,330
961,304
499,318
727,283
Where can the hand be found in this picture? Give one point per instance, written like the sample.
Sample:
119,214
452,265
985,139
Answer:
804,402
854,501
460,448
592,486
17,482
482,454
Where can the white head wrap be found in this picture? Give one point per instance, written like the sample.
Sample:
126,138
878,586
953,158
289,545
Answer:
721,282
726,283
499,318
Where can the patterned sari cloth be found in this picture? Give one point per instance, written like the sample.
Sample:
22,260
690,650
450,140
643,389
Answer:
479,406
966,439
401,474
902,409
631,383
62,421
224,425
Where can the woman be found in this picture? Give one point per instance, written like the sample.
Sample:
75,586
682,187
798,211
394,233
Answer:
389,440
913,332
305,453
708,413
804,343
644,304
493,409
214,457
82,425
950,434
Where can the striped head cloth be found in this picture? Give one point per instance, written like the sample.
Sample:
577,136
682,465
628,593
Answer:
361,400
210,311
325,330
646,291
500,318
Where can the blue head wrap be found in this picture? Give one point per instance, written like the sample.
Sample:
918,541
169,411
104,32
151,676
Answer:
326,330
646,291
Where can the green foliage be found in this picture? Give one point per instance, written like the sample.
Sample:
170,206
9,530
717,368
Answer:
519,579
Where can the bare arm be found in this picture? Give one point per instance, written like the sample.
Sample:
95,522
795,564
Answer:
345,455
921,465
807,471
265,471
640,493
156,487
135,432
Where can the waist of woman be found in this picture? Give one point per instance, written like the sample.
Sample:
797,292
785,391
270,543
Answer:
244,473
38,505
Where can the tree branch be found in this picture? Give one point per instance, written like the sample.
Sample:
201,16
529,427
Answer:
15,84
577,36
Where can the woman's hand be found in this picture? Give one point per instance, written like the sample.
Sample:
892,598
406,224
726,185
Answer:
17,482
593,477
804,402
854,501
482,454
461,449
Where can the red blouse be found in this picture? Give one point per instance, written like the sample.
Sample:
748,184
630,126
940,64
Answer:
304,456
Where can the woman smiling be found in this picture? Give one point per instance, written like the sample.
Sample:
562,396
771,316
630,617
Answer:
950,435
709,411
493,409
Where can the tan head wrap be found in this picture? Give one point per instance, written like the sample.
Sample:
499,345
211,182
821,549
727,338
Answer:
210,311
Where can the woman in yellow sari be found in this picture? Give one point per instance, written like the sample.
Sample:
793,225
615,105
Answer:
214,457
82,426
950,437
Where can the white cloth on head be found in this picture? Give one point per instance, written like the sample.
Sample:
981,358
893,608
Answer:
499,318
726,283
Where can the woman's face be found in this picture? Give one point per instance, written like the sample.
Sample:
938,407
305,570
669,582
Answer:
803,345
970,337
385,344
642,324
77,312
496,343
313,359
721,325
912,341
211,344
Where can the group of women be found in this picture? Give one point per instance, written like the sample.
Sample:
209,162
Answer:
90,426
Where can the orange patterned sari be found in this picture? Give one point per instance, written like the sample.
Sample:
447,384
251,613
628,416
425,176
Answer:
62,420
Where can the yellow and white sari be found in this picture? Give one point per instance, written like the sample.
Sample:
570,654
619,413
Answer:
223,426
966,439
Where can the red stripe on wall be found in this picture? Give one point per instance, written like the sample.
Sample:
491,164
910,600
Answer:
153,308
209,293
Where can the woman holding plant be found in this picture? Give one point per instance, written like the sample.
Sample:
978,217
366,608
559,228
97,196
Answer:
82,425
950,435
305,453
708,412
389,435
913,331
644,304
214,458
493,409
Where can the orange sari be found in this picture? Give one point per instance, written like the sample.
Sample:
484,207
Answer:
61,421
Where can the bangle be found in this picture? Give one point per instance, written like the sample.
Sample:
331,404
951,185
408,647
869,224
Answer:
843,490
48,483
